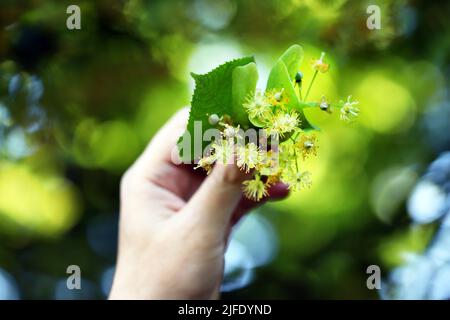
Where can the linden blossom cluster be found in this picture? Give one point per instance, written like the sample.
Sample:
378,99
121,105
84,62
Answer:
279,160
269,163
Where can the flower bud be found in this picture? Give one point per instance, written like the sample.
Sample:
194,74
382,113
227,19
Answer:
298,77
324,105
213,119
308,144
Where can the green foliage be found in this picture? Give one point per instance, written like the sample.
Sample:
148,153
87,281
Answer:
283,74
292,59
223,91
244,81
213,94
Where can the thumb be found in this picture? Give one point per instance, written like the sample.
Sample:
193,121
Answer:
216,199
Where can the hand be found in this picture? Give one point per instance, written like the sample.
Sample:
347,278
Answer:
175,223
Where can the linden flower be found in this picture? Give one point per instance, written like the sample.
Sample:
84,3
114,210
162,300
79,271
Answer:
247,156
283,122
307,145
299,180
276,97
319,65
349,112
255,189
257,106
269,163
223,151
285,152
271,180
206,163
231,132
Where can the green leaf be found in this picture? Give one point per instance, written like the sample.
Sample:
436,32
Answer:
292,59
212,95
311,104
256,122
280,77
244,81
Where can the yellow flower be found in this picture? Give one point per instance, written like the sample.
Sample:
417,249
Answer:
283,122
247,156
285,153
307,144
257,106
206,163
223,151
255,189
271,180
231,132
298,180
277,98
319,65
349,112
269,163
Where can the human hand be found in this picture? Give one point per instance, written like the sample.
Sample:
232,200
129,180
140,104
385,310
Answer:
175,223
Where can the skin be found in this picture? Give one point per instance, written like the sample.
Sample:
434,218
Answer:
175,222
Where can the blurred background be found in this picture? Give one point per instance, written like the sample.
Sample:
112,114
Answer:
78,106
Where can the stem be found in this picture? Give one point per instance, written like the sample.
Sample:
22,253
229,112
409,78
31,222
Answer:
294,136
298,90
310,84
296,160
295,156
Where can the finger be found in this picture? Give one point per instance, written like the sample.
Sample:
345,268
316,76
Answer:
163,145
215,201
276,192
